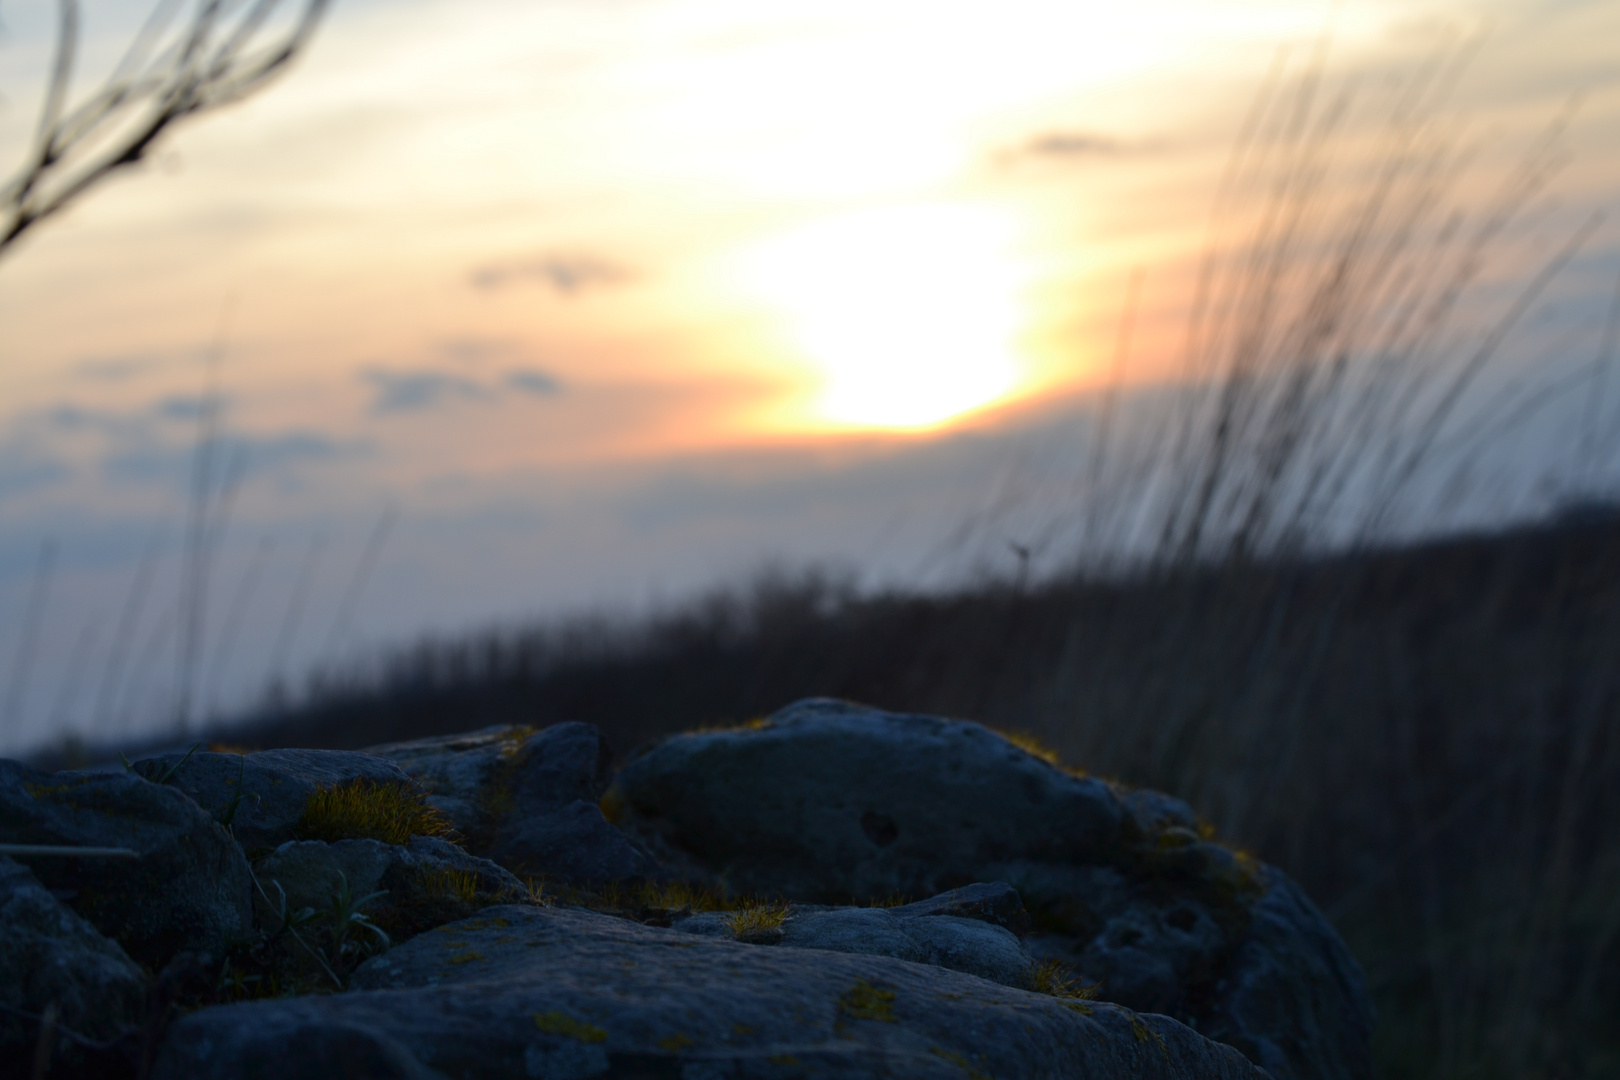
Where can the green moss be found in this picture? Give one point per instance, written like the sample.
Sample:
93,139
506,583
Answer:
560,1023
674,1044
863,1001
365,810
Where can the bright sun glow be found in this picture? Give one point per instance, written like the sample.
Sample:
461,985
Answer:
908,314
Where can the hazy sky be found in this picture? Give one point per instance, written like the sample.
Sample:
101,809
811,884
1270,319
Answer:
559,304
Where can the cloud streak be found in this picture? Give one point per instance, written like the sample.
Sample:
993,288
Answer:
425,390
565,275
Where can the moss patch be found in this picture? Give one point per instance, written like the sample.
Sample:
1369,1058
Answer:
366,810
560,1023
863,1001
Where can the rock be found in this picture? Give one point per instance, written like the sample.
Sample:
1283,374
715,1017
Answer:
50,958
1290,975
573,844
275,785
993,902
426,883
189,888
831,801
481,777
924,933
528,800
560,993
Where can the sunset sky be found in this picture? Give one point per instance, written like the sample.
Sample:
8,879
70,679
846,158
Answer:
557,305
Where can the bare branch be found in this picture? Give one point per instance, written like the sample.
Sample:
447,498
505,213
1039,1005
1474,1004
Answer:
222,54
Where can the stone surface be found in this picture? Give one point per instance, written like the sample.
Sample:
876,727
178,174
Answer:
275,785
482,778
1283,1005
528,800
572,844
944,931
568,994
188,889
423,882
994,902
49,956
831,801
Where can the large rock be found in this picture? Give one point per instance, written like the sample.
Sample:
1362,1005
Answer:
189,887
830,801
51,959
527,800
570,994
425,883
263,794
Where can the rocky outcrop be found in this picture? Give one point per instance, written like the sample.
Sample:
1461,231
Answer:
564,993
262,795
1071,927
832,801
527,800
57,972
188,888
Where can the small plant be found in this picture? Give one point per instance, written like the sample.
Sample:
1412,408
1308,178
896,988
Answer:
364,809
1054,978
754,920
681,896
348,926
447,884
1031,744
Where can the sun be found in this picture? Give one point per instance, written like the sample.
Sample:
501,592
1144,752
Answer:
907,315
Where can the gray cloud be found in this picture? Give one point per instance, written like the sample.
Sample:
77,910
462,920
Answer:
156,462
533,381
566,275
423,390
419,391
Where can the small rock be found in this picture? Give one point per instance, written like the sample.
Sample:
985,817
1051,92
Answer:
993,902
189,888
50,958
573,844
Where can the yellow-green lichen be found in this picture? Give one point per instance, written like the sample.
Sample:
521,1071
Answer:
960,1062
863,1001
674,1044
560,1023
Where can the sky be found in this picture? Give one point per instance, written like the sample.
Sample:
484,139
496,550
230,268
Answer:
491,311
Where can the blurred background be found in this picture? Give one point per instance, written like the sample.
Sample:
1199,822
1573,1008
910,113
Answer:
1222,392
